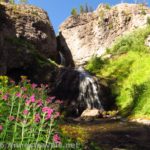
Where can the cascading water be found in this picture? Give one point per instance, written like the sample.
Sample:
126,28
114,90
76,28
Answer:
89,90
78,89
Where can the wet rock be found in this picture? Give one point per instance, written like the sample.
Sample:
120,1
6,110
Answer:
91,113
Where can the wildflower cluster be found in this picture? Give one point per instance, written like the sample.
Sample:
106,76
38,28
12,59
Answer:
26,114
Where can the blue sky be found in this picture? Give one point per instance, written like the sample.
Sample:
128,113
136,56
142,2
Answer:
59,10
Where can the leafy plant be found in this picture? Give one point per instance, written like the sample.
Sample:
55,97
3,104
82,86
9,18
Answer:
27,115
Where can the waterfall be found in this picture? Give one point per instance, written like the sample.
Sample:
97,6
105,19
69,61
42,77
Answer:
78,89
63,61
89,90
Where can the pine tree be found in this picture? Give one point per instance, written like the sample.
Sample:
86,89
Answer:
81,9
86,8
74,12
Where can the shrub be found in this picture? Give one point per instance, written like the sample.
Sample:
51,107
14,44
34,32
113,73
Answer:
74,12
95,64
107,6
134,41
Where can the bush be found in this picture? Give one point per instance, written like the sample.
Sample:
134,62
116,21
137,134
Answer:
74,12
134,41
95,64
107,6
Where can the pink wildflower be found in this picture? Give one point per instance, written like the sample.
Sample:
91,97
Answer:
18,95
11,118
25,96
56,139
57,115
33,85
48,116
28,102
59,101
48,112
25,112
37,118
32,98
50,99
24,89
39,103
45,109
5,97
1,127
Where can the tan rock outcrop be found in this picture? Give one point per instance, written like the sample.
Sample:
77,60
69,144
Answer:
91,34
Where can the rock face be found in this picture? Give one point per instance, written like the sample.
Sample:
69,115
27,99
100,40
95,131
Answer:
91,34
27,39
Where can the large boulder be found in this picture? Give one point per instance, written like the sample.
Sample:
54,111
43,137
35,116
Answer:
92,33
27,40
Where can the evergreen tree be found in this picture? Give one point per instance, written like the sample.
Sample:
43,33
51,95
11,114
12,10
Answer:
74,12
81,9
13,1
86,8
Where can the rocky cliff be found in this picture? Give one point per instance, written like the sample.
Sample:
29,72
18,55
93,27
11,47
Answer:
27,39
91,34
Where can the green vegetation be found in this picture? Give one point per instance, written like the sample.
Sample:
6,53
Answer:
128,70
107,6
74,12
83,9
29,115
13,1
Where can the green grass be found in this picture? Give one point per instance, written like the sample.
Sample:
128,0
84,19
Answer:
128,69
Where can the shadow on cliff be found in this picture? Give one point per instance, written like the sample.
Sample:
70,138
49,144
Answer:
6,29
64,50
18,56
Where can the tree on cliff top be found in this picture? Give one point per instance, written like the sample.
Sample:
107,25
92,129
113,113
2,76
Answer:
13,1
74,12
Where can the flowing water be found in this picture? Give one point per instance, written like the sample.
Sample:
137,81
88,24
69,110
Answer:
78,89
89,90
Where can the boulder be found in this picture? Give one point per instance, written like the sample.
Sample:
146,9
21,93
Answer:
90,113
